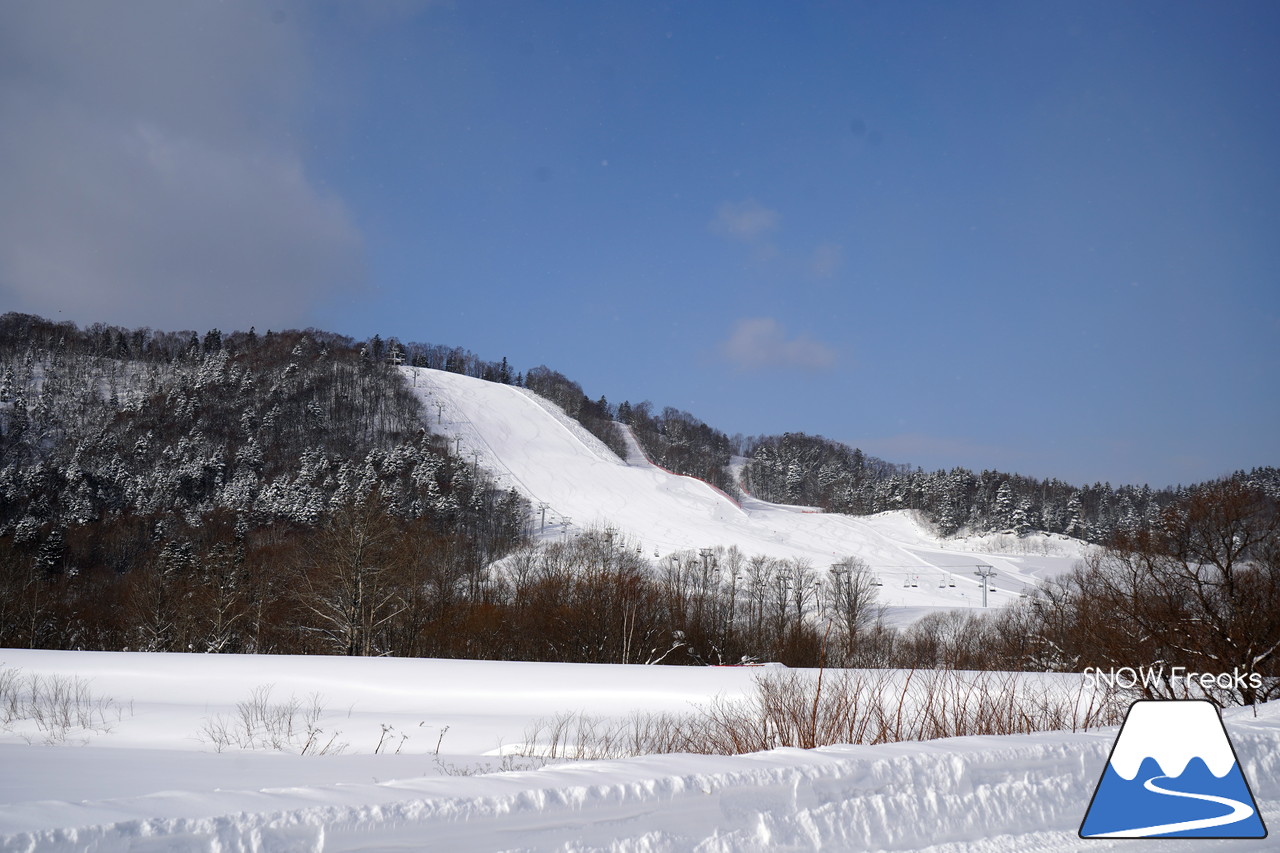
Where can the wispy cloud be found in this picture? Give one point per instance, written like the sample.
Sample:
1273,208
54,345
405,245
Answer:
151,172
746,220
760,343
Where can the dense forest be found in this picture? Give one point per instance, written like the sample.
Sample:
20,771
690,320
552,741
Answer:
679,442
814,471
177,492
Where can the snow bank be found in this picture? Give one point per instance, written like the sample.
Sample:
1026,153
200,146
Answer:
1006,793
151,785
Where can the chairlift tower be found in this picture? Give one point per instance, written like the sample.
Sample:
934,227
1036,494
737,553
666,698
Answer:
609,533
986,573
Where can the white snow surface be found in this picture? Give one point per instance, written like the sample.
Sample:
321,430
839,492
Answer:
152,783
530,444
1172,733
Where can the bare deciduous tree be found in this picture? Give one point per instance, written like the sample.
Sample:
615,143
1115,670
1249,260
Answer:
1199,590
347,585
850,601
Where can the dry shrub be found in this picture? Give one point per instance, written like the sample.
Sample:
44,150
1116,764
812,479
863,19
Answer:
793,709
259,723
885,706
57,705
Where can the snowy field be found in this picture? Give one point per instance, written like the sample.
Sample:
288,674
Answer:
145,776
530,444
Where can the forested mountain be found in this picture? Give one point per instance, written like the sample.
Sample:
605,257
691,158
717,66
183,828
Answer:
674,439
289,425
141,472
679,442
597,416
283,493
811,470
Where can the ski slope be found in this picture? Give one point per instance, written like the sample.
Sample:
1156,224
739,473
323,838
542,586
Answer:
153,783
530,444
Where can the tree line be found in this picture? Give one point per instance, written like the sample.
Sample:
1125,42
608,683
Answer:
799,469
795,468
680,442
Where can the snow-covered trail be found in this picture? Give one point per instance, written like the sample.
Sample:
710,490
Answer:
531,445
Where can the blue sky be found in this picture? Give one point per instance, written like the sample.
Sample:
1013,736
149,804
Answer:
1026,236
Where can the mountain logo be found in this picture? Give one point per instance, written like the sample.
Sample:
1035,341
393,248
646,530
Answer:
1173,773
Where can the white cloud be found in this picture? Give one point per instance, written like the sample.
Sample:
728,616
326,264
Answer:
150,172
761,343
747,220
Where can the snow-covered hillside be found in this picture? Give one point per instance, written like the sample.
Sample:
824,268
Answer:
531,445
